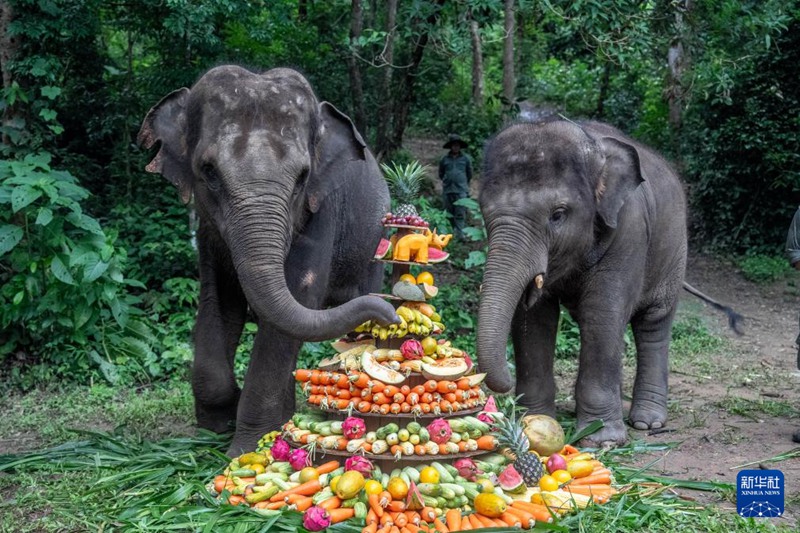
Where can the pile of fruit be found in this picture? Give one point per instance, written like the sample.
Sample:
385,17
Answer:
439,437
469,494
404,220
359,391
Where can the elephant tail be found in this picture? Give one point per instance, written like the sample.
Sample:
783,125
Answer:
734,318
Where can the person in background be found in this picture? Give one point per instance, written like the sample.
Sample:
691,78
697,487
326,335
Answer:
793,255
455,171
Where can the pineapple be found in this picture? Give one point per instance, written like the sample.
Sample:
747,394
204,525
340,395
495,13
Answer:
510,433
404,183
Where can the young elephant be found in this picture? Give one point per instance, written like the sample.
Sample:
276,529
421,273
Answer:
580,215
290,202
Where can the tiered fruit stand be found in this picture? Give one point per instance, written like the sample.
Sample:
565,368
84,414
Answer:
398,435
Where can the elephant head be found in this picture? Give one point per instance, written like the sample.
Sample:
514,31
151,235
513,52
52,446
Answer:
551,196
247,146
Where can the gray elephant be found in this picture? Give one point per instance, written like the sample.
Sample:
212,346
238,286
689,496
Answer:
290,202
582,216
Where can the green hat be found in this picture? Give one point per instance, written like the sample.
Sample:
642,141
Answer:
453,138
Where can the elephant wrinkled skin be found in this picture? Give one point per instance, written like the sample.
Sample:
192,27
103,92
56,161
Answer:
290,202
581,216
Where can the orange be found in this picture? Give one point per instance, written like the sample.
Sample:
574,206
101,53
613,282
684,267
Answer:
397,488
373,487
548,483
429,345
425,277
429,475
562,476
409,278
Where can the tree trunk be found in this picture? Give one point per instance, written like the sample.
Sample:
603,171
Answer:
509,80
603,93
384,110
356,87
406,96
8,49
302,10
677,60
477,63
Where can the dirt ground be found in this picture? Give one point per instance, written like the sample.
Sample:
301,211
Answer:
717,428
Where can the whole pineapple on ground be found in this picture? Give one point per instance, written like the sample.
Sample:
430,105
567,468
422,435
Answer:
404,184
510,433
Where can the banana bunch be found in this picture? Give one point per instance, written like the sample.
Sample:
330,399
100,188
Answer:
412,321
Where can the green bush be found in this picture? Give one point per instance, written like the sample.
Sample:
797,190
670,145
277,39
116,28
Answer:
764,268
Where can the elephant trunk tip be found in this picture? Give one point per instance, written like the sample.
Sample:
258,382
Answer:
500,384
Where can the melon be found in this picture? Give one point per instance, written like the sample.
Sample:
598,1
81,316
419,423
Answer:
377,371
545,434
477,379
330,363
449,369
384,249
436,256
430,291
510,480
343,345
408,291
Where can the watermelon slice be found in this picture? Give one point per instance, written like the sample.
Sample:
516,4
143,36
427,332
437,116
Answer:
436,256
384,249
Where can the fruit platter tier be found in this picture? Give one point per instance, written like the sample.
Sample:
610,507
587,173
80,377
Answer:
409,415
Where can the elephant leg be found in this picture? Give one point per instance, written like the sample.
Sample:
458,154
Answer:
598,387
220,318
534,333
268,396
652,336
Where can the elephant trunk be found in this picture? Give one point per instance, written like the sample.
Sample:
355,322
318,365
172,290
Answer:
514,260
259,257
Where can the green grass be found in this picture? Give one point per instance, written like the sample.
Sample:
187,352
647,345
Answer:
764,268
751,408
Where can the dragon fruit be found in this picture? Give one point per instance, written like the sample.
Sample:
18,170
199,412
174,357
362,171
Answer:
359,464
440,431
316,518
467,469
489,407
299,459
353,427
280,450
412,349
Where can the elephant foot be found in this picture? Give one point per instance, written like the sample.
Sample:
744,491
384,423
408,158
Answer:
648,415
796,437
612,434
216,418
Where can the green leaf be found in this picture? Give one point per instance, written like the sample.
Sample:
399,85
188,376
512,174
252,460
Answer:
51,92
44,217
18,297
60,271
475,258
10,236
84,222
94,269
40,160
48,114
23,196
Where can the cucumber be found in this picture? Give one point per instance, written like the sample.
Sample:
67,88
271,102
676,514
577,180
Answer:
395,473
471,493
256,497
457,489
338,472
405,478
429,489
444,475
295,478
322,495
453,471
361,510
336,427
266,477
268,513
503,495
457,425
243,472
446,492
412,473
283,485
348,504
385,480
413,427
430,501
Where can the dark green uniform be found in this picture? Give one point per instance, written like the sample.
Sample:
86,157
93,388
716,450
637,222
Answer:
793,255
455,173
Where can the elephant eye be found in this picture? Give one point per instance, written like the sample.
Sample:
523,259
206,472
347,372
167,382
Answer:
558,216
210,176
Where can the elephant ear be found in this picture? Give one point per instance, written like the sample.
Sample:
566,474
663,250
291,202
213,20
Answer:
621,174
337,145
166,123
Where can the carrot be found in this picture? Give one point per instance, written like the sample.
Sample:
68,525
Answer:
394,529
221,483
525,517
405,530
439,525
236,500
370,528
442,449
453,519
539,512
294,498
342,514
511,519
396,506
413,517
275,505
334,502
466,525
328,467
592,479
413,528
475,522
384,528
385,498
569,449
386,519
600,470
400,520
304,504
485,520
427,514
306,489
360,380
375,505
487,442
372,518
302,375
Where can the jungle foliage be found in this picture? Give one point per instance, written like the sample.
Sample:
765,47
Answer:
97,265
